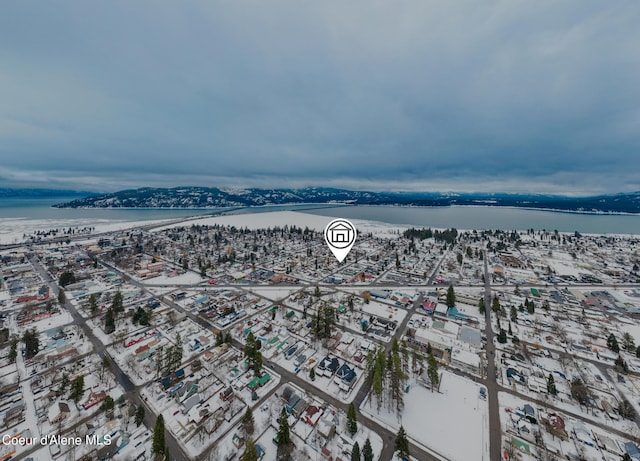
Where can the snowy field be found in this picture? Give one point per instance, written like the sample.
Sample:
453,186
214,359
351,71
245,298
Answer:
439,421
188,278
291,218
12,230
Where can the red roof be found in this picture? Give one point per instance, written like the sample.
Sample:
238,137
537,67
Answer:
142,349
312,410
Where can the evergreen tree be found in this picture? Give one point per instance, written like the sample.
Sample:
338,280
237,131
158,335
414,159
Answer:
580,391
551,385
64,382
396,379
329,320
158,446
317,324
248,422
285,445
621,365
117,305
626,410
451,297
531,307
107,404
66,278
312,374
141,316
62,299
404,351
612,343
367,451
510,330
513,314
139,417
481,306
176,356
257,363
250,347
379,371
13,350
502,336
31,343
109,322
105,365
250,451
628,342
77,388
414,359
495,304
402,444
432,371
355,452
352,420
93,303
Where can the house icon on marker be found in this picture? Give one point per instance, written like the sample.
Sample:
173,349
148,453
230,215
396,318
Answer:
340,233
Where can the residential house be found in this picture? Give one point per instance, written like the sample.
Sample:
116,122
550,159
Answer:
58,412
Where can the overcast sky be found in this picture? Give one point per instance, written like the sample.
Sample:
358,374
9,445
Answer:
514,96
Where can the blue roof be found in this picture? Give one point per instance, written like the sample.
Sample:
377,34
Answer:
343,370
631,448
350,377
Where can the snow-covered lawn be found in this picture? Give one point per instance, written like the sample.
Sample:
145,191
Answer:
188,278
452,422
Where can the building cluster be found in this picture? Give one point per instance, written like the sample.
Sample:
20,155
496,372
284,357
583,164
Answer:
204,324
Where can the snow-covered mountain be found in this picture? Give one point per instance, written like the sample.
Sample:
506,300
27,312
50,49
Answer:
213,197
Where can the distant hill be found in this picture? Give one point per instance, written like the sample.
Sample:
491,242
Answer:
213,197
42,193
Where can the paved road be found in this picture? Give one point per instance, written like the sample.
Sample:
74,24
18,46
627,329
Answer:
130,389
287,376
388,437
175,449
495,431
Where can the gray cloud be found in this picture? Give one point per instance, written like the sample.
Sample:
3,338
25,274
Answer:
404,95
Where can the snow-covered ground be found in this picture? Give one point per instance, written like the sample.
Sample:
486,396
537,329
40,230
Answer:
188,278
453,422
291,218
12,230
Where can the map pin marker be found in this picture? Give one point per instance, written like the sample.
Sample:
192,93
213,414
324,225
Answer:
340,236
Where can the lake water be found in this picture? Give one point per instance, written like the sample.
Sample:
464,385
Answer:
14,211
472,217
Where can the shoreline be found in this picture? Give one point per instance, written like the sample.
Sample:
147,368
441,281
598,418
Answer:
14,228
342,204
